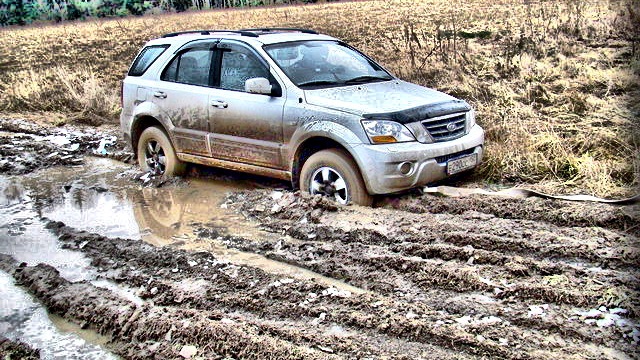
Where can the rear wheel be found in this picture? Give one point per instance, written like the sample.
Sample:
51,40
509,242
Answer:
156,154
334,174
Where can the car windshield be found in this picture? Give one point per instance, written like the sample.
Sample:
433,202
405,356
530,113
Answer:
315,64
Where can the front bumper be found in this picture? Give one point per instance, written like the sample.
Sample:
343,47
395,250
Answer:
380,164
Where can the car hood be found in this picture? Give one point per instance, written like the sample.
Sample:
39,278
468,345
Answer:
381,99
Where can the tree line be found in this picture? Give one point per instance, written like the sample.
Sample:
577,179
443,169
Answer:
22,12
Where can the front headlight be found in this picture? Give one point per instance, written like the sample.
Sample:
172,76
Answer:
471,119
385,132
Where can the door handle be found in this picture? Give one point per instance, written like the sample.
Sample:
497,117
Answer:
160,95
219,104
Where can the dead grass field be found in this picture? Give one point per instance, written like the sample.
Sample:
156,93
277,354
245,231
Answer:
556,83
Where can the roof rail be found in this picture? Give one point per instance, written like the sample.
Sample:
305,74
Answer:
209,32
267,30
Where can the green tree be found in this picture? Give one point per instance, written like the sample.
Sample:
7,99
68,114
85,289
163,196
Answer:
11,12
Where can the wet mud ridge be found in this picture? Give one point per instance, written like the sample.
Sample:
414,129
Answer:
17,350
437,284
26,147
530,277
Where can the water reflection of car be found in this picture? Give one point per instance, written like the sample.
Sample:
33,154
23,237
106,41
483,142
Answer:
295,105
170,215
158,215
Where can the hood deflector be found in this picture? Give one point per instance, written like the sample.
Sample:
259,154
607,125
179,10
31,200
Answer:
422,112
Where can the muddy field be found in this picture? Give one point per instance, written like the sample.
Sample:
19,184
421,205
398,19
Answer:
223,265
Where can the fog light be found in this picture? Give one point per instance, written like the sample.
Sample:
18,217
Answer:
405,168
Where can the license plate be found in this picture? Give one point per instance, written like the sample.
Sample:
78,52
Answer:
461,164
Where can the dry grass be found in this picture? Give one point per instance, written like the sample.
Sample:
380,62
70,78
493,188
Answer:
79,92
556,83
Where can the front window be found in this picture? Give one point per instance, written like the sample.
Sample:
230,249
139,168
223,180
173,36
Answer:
313,64
239,65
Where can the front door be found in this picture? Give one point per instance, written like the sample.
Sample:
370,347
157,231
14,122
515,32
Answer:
245,127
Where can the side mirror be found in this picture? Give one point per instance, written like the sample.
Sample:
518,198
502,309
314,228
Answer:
258,85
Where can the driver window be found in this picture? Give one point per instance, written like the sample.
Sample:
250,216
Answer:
239,65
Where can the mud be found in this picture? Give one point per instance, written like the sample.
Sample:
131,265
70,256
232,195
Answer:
556,212
176,269
15,350
297,316
469,263
26,147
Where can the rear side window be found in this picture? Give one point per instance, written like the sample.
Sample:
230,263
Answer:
147,56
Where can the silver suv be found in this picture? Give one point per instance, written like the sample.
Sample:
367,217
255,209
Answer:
295,105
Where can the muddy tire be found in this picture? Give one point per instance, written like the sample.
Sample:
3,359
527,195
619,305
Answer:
156,154
333,173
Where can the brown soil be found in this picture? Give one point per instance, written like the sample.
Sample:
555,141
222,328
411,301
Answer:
24,146
16,350
442,278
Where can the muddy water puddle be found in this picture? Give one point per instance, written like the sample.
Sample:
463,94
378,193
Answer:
24,319
102,197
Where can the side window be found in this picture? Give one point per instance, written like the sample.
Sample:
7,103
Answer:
146,57
238,65
191,67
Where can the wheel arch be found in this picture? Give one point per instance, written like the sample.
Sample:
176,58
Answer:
309,147
139,125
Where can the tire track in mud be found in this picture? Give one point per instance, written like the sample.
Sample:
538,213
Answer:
528,238
165,275
384,281
423,302
420,256
230,289
175,279
579,284
556,212
128,323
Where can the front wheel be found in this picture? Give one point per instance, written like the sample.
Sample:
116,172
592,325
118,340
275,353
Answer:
334,174
156,155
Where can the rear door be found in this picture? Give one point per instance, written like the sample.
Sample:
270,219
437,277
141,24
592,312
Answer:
246,127
183,95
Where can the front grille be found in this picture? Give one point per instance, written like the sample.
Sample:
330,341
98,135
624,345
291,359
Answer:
445,128
444,158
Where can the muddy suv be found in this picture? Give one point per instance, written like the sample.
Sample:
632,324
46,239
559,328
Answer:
295,105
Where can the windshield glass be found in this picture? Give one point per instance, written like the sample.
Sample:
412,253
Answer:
312,64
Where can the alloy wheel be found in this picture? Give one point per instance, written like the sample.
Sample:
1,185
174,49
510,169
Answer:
155,157
328,182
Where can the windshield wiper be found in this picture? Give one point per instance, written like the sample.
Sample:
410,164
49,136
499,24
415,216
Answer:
319,83
367,78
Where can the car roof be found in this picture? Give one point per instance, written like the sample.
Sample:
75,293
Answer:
254,36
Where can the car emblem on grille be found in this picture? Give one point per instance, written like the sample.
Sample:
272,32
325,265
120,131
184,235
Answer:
451,127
